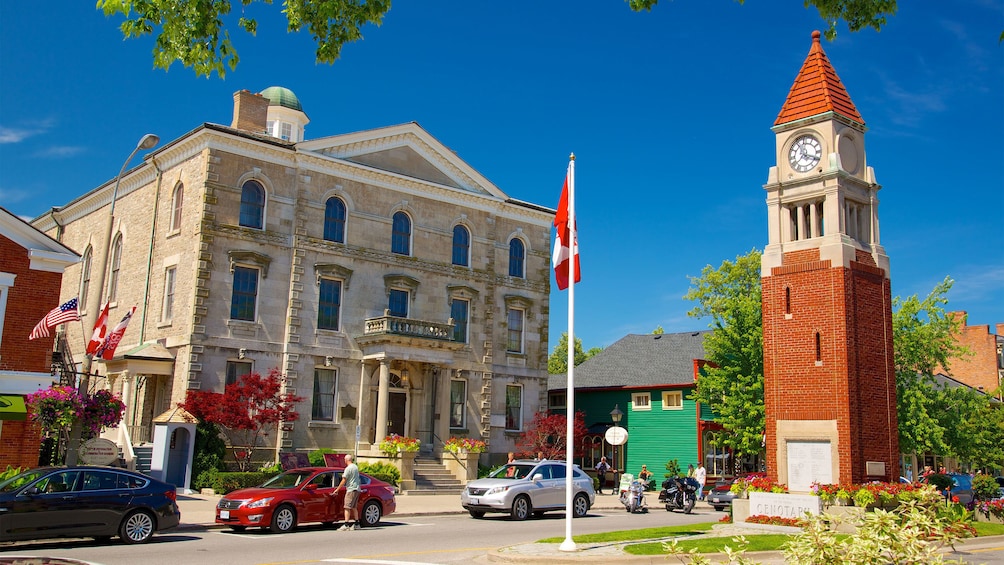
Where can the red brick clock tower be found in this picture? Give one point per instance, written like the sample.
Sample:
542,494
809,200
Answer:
829,383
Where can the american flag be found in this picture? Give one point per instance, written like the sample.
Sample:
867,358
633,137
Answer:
66,312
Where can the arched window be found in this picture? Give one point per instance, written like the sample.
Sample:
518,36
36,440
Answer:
177,203
115,267
517,254
461,246
85,278
252,205
334,220
400,242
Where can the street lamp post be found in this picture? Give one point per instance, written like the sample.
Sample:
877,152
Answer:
148,141
615,417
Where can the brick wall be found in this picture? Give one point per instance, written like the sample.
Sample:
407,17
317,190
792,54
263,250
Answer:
19,444
980,369
848,377
33,295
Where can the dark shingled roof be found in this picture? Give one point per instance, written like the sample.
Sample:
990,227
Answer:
640,360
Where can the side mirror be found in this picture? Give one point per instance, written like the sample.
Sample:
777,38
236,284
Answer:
538,477
32,491
310,486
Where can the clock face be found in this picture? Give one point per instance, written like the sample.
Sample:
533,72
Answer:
805,153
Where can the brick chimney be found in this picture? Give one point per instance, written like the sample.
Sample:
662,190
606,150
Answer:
250,111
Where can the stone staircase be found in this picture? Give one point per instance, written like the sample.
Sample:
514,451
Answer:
144,456
432,477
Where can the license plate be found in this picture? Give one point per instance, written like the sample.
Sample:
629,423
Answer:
474,501
224,514
715,499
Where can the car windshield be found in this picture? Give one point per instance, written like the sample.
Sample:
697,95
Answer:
512,471
18,481
289,479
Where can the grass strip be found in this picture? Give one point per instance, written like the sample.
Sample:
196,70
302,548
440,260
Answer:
984,529
632,535
757,542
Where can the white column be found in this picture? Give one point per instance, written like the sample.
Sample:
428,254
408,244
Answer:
800,218
813,220
383,398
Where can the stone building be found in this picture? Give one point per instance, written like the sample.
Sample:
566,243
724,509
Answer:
396,288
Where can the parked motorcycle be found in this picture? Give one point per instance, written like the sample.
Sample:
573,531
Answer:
632,496
679,493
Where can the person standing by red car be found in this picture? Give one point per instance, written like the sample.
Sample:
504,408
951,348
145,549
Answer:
350,480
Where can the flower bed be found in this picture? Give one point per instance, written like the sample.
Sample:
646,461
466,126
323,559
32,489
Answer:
742,487
992,510
776,521
394,444
461,444
866,494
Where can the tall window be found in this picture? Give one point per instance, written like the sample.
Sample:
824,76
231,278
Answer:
236,370
167,310
458,400
328,303
514,320
400,242
85,278
116,267
177,203
513,407
323,403
334,220
461,246
252,205
398,303
517,254
459,312
245,294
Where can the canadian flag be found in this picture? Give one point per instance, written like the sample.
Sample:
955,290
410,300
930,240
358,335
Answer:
107,349
566,235
100,329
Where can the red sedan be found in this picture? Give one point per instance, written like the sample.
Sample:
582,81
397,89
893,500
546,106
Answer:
300,496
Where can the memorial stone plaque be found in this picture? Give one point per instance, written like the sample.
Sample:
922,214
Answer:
809,462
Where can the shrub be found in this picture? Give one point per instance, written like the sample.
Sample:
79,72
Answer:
222,483
941,482
209,450
10,472
985,487
383,471
316,457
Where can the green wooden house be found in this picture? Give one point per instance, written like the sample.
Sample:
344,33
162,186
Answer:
649,378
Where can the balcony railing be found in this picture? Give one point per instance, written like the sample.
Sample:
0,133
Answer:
409,327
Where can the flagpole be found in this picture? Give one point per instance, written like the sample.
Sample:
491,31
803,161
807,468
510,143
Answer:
569,544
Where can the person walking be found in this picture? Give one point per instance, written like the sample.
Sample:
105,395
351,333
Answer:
601,473
350,480
701,475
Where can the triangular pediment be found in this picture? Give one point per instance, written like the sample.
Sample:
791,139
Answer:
406,150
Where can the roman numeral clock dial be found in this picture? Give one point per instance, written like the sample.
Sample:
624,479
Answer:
805,153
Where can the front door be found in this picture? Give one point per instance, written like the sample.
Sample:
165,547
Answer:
396,413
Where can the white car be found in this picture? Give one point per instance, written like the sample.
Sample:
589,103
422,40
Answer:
523,488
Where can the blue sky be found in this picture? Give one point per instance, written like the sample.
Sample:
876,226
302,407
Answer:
668,114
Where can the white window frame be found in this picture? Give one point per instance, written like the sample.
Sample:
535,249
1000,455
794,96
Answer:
522,331
334,395
170,284
641,401
177,207
519,419
676,404
463,405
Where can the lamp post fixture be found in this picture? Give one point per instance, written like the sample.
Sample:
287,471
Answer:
148,141
615,417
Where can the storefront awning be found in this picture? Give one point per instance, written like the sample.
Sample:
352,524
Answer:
12,407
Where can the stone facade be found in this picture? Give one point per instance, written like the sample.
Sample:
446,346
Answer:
391,373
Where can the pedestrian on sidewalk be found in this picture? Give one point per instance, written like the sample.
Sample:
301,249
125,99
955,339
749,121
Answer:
350,480
601,473
701,474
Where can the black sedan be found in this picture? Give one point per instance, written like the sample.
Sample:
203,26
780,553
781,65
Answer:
98,502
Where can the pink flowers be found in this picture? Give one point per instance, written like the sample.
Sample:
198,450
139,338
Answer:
470,445
58,407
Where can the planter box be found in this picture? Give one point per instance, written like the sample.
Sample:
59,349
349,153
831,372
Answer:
981,517
463,466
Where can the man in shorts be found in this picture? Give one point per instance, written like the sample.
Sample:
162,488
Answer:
350,480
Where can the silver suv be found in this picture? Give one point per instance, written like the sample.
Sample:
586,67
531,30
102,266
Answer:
523,488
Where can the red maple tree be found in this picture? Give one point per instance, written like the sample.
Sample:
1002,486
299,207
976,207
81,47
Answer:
247,411
546,435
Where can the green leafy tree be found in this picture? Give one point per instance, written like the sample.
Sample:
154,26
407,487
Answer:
557,362
193,31
732,385
658,331
858,14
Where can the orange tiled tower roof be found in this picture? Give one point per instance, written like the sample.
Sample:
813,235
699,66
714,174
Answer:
817,89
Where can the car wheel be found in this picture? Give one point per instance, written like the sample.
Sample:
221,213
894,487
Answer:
477,514
238,528
689,504
521,508
370,515
283,519
137,527
580,506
